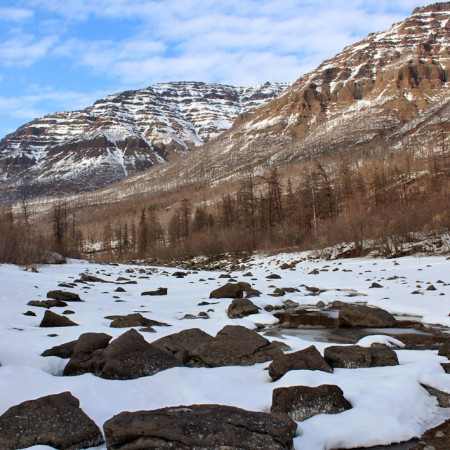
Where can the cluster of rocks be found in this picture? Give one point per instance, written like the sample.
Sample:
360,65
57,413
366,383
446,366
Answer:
57,420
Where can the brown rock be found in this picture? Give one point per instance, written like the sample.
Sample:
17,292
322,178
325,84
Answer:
54,320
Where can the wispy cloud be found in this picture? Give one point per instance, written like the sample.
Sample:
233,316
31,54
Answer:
11,14
135,43
24,50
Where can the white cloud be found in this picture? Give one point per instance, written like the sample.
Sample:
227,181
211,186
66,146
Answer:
9,14
25,49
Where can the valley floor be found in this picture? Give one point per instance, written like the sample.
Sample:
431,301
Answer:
388,403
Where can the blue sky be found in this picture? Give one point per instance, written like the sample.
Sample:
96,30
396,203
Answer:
58,55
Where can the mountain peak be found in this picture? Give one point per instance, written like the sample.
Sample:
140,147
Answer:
434,7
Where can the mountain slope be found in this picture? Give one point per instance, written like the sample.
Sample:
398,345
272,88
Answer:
122,134
362,97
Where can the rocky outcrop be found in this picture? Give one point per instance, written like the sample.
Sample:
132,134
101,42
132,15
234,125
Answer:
54,420
302,402
123,134
354,356
307,359
199,426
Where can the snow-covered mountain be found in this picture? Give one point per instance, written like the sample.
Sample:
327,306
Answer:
387,92
393,85
122,134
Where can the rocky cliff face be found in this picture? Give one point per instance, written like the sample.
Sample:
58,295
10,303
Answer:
122,134
370,94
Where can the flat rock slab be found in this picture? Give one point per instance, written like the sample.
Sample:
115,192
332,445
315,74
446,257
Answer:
199,426
65,296
54,420
435,439
159,291
443,398
134,320
91,278
51,319
61,351
365,317
308,359
47,303
302,402
241,307
354,356
235,346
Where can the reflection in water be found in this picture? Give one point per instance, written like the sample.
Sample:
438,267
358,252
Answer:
323,326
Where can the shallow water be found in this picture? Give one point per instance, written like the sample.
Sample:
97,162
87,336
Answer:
322,326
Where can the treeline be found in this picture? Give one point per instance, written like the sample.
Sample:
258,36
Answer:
313,205
316,205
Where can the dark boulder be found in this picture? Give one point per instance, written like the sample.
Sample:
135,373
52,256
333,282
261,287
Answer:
182,344
131,356
54,420
229,290
159,291
354,356
241,307
54,320
303,402
235,290
365,317
199,426
235,346
64,296
308,359
61,351
86,353
47,303
134,320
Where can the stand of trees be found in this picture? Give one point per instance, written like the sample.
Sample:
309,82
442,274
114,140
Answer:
315,204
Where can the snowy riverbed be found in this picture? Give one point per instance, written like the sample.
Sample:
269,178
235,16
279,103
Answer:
389,403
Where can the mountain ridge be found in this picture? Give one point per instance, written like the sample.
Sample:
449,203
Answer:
123,133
